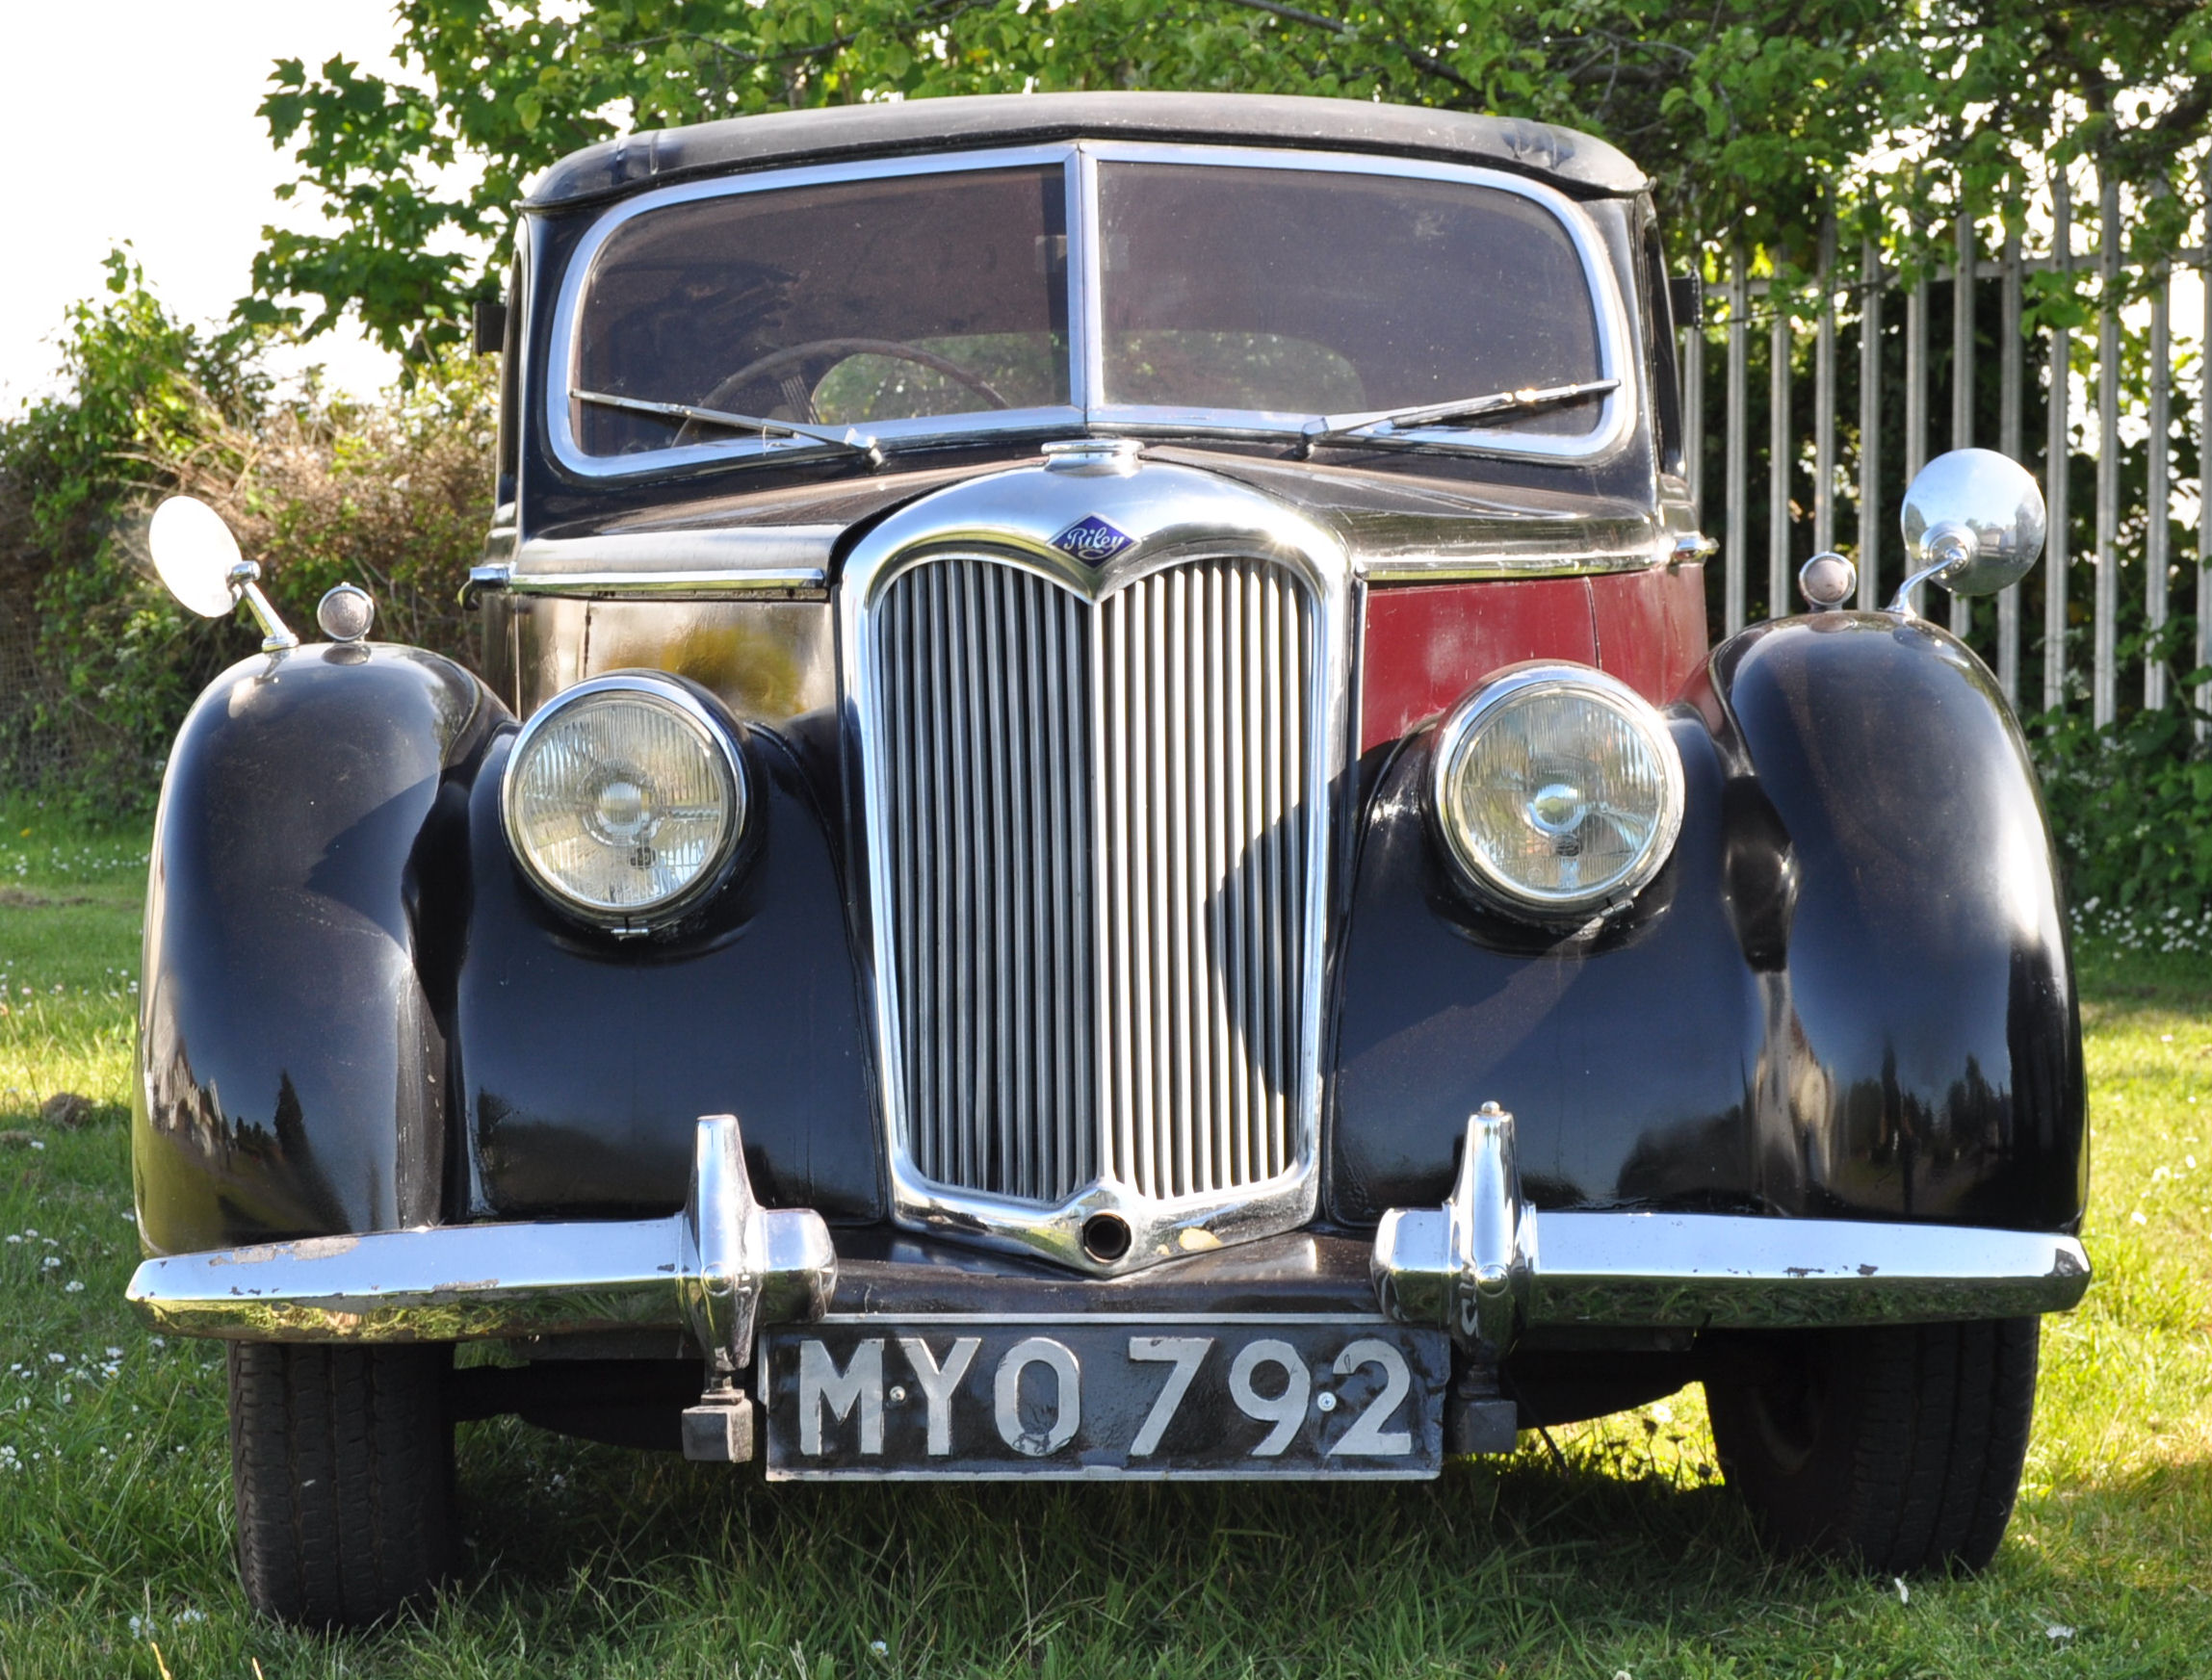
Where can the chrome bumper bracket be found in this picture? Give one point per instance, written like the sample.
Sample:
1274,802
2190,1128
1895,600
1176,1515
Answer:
1475,1265
719,1269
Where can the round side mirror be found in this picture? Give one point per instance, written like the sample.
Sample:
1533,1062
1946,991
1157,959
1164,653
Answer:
1974,521
194,551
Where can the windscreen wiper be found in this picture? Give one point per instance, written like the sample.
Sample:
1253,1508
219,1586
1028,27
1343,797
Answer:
858,442
1461,411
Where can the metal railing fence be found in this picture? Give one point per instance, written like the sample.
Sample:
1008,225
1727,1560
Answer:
2113,431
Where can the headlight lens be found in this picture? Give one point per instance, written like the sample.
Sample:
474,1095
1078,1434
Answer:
624,800
1558,790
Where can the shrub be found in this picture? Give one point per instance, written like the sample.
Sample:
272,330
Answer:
2131,809
97,664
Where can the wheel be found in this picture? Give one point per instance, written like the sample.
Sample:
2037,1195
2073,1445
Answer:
342,1462
798,396
1897,1448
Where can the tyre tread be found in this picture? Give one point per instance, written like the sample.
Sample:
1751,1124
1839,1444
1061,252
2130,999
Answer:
1918,1456
341,1464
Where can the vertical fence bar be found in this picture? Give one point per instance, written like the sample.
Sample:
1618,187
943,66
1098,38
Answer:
2009,361
1778,450
1962,377
1870,280
2158,498
2057,451
1824,398
2204,467
1738,462
2104,697
1915,395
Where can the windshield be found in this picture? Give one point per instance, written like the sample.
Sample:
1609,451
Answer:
845,304
870,314
1321,292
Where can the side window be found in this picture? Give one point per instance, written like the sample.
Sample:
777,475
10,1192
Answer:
1659,354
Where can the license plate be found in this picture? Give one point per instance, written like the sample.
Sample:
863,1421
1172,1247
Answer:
975,1398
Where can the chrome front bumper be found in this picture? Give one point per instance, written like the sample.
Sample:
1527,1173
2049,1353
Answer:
717,1270
1475,1266
726,1265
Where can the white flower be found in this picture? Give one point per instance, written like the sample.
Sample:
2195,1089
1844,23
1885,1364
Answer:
2057,1630
72,1288
57,1358
114,1352
2136,1218
52,1262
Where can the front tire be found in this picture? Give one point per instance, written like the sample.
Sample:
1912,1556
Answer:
1897,1449
342,1463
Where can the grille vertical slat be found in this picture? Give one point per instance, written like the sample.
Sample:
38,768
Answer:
1095,832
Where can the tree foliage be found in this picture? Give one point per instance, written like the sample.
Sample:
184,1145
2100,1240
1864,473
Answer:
1747,112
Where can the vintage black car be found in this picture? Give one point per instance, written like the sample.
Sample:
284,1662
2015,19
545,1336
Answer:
1099,838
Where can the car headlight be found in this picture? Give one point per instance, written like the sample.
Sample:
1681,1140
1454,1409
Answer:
1558,790
624,800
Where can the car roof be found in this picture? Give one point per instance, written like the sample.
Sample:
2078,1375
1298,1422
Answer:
1576,162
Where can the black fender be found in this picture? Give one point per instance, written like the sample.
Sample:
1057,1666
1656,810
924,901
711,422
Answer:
1847,995
291,1059
585,1061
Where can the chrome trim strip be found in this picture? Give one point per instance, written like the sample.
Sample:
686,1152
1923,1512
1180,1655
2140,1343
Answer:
1486,1265
648,554
1087,408
782,581
1474,569
565,350
718,1270
1173,515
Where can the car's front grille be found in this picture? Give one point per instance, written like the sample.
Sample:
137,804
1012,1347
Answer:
1095,826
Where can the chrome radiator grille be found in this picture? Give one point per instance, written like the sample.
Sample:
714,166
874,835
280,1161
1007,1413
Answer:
1095,828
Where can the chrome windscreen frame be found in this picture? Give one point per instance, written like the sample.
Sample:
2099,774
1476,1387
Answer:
566,346
1616,340
1087,410
1176,515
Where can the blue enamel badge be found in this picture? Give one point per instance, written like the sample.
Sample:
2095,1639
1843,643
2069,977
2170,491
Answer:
1092,539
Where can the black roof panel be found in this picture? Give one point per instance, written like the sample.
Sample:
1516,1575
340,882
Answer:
1575,162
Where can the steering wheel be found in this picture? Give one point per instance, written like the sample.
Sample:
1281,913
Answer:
765,367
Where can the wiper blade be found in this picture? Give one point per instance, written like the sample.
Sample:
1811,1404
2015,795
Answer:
1460,411
858,442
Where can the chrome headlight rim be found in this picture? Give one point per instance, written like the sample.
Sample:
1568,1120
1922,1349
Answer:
703,715
1476,870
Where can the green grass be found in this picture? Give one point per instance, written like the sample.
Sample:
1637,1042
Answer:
115,1508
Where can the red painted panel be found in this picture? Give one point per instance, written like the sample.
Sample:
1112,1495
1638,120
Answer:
1429,644
1652,628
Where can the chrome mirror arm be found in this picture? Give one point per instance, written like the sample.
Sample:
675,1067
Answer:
245,585
1946,548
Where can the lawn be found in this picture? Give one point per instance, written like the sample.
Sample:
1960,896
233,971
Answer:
115,1518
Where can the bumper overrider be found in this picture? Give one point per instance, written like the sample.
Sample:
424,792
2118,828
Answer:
1485,1267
